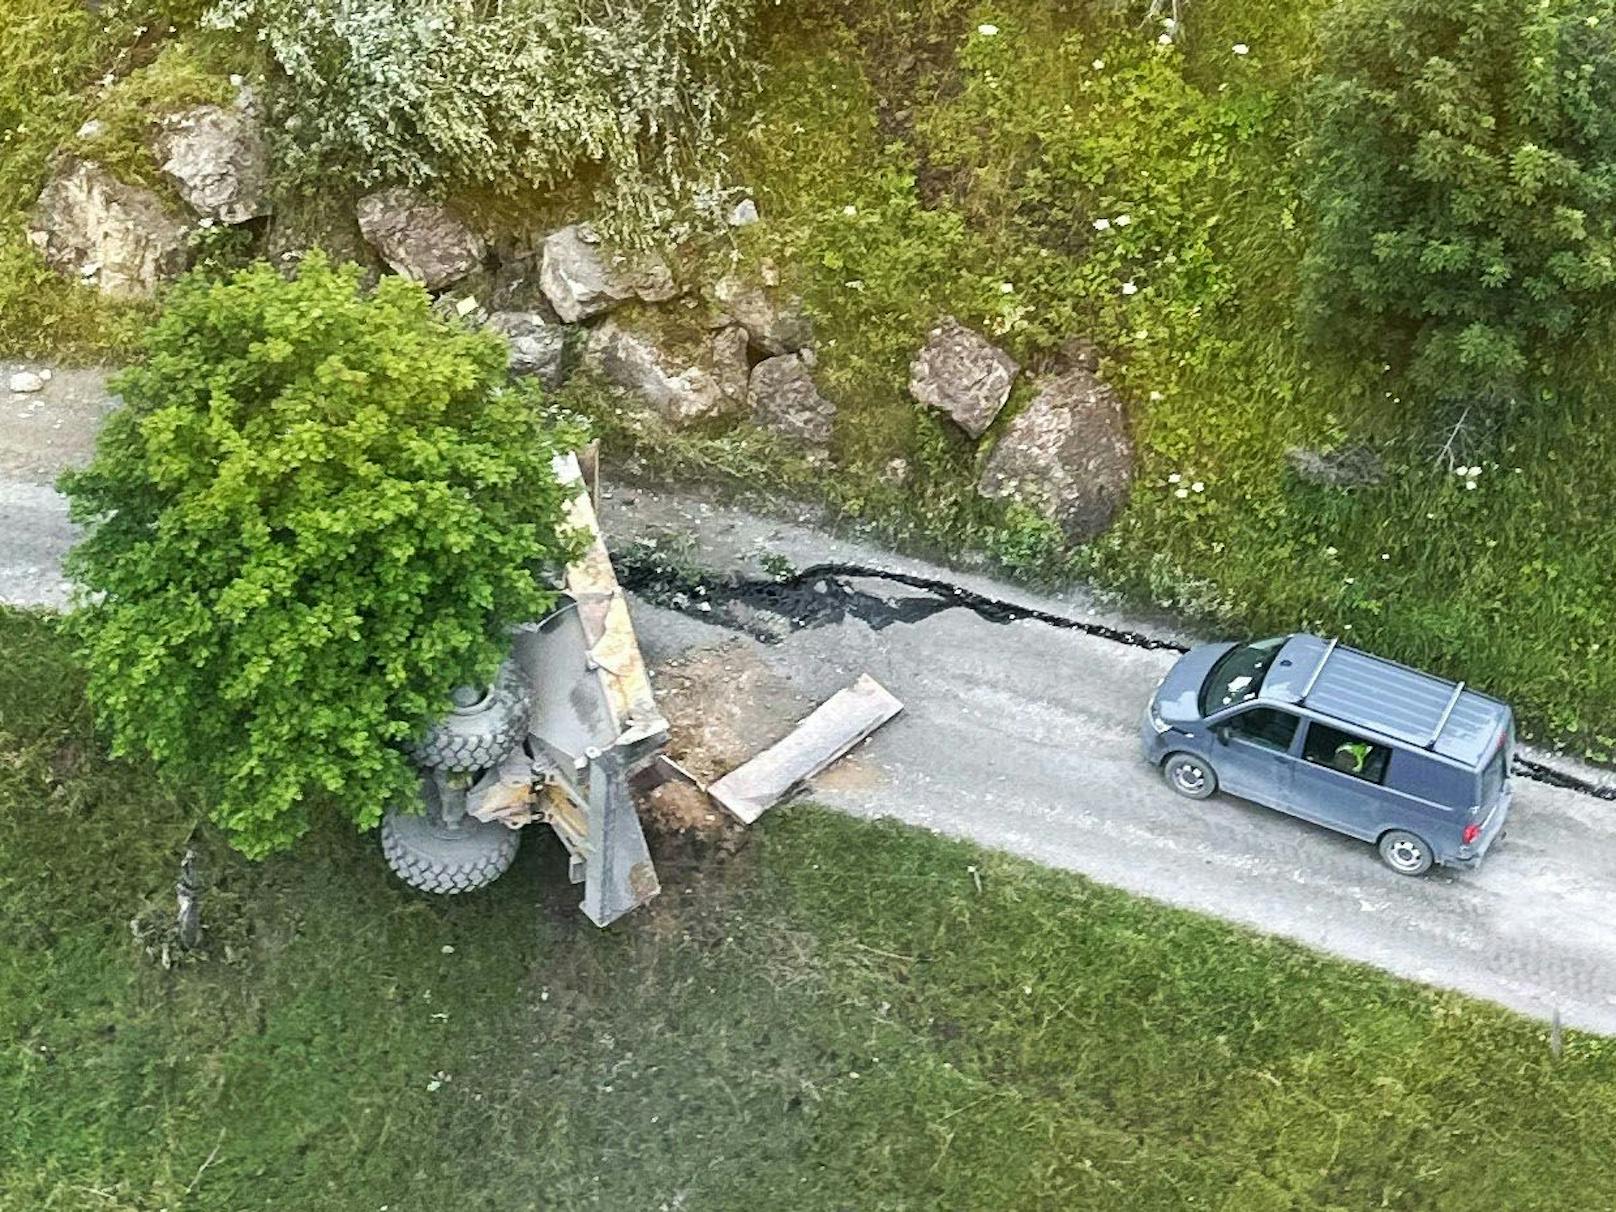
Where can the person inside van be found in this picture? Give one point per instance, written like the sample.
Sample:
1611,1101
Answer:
1350,757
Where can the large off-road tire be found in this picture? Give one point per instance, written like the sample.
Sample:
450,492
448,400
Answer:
479,732
432,856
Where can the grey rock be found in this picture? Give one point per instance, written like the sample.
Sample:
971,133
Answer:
783,397
1067,455
89,224
93,129
536,345
26,382
680,387
776,326
961,374
583,277
218,159
743,214
420,239
1353,466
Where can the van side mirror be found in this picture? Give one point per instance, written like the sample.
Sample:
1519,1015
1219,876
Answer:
1222,733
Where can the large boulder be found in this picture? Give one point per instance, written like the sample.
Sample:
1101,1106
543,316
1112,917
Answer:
536,345
1067,455
583,277
707,380
120,237
218,159
960,373
784,398
774,325
420,239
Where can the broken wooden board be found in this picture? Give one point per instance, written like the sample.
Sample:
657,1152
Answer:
831,729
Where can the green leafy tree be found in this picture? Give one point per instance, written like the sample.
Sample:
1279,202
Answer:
316,513
1461,173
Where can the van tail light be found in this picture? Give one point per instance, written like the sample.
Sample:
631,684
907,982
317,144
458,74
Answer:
1471,832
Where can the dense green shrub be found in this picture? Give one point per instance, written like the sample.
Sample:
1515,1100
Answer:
315,515
526,92
1462,171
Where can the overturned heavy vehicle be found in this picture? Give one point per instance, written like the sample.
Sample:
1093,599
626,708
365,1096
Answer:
556,740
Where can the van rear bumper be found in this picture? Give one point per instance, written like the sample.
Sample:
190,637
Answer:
1469,857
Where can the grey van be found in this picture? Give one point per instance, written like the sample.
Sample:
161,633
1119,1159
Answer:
1362,745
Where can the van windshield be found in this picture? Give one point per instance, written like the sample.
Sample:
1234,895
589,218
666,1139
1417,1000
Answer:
1238,675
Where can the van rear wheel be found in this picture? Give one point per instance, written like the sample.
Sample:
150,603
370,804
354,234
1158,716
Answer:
1405,853
1190,775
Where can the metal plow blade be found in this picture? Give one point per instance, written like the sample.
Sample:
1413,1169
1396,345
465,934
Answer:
594,722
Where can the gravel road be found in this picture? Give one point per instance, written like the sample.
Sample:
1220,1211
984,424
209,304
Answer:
1021,735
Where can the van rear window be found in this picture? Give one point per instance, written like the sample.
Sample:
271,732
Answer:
1492,779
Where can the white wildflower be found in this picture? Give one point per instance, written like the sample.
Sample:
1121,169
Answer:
850,210
1006,287
1197,487
1102,225
1098,65
1165,40
987,30
1181,493
1174,478
447,948
1122,220
1156,397
1240,48
1329,551
1129,288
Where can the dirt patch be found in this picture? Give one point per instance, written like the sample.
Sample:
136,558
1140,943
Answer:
724,704
679,808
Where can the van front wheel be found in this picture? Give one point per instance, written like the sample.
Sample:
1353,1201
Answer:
1405,853
1190,775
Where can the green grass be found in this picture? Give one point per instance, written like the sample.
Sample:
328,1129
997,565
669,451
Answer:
840,1015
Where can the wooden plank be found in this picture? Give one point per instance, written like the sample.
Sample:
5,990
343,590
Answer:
831,729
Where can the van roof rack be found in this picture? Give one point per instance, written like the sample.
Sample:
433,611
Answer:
1313,678
1453,701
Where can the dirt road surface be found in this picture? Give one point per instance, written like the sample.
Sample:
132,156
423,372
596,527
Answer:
1020,735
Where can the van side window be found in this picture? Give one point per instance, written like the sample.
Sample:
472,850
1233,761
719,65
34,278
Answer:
1265,726
1431,779
1326,746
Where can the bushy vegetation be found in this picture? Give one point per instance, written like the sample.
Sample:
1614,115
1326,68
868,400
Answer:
525,94
768,1033
314,516
1461,174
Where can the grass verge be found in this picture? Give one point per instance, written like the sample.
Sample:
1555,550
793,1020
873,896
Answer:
840,1015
